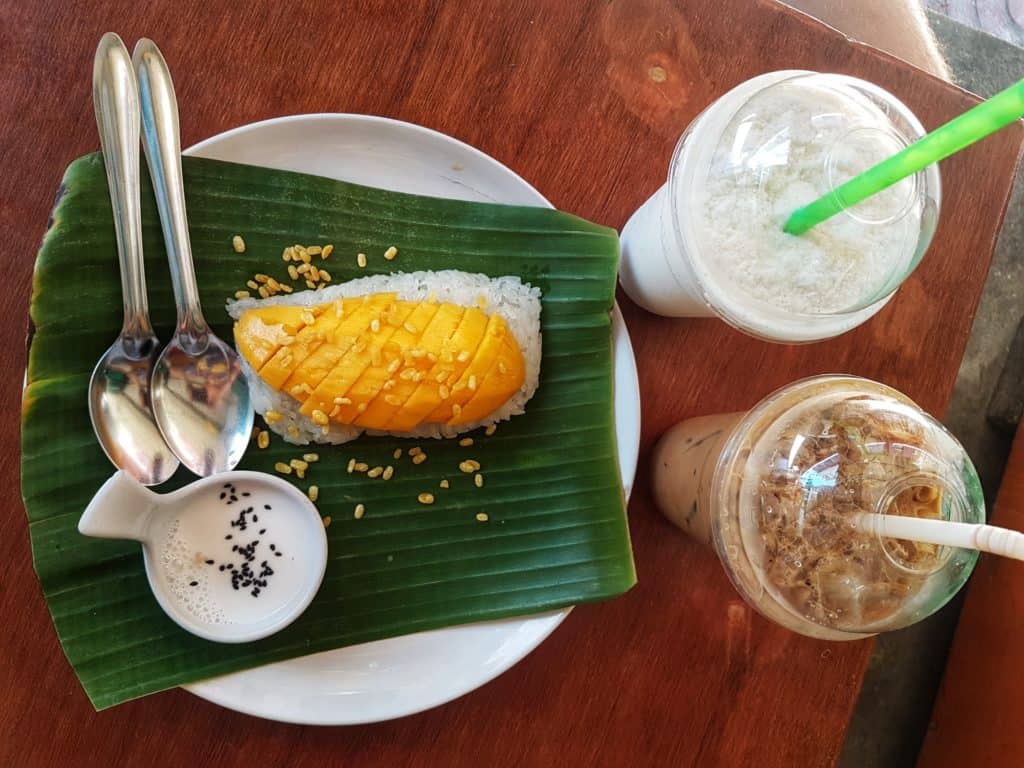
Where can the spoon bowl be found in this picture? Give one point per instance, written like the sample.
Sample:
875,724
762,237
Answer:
201,402
200,397
231,558
119,390
119,406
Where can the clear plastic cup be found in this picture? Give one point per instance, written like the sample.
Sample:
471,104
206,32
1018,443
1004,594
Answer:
709,242
777,493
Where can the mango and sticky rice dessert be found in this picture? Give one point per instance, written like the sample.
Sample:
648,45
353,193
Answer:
422,354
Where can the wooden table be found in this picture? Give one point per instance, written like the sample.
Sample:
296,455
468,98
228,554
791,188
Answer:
978,711
584,99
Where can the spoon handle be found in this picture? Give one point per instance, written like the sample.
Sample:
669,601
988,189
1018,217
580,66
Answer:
163,155
116,101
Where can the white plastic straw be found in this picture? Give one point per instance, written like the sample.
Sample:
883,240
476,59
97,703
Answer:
986,538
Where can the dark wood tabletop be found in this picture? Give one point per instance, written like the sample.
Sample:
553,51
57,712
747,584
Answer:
977,715
585,99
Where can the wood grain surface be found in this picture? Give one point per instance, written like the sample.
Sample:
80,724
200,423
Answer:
585,99
977,715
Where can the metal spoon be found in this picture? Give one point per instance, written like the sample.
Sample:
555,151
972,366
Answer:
200,397
119,397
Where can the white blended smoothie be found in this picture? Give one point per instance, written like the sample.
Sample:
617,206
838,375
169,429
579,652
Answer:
711,240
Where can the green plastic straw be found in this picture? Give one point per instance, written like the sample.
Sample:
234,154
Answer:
974,124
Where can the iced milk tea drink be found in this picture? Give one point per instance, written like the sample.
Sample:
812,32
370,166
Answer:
778,492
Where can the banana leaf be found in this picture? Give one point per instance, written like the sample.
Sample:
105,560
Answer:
557,531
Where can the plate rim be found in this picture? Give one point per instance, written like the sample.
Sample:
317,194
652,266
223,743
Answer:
627,454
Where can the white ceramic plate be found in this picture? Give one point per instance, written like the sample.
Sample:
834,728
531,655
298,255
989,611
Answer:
402,675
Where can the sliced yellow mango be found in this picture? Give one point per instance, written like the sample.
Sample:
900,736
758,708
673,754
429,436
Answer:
427,394
338,385
280,365
479,364
381,363
259,332
341,334
380,409
503,380
395,352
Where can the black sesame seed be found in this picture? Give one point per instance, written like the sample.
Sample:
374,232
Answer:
262,531
227,537
246,493
278,554
266,506
272,547
209,562
223,495
193,583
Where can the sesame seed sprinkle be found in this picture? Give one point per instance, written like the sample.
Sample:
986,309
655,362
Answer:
238,244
